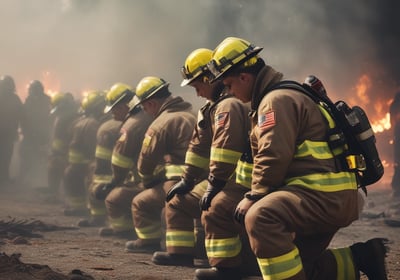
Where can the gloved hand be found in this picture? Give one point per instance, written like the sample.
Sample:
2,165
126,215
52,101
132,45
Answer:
244,205
213,188
182,187
102,191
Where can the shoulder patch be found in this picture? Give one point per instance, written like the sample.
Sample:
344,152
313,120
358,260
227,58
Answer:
147,137
220,119
266,120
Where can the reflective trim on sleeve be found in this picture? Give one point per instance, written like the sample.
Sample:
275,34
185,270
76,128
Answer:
102,178
75,157
196,160
224,247
103,152
159,172
244,173
224,155
173,171
180,238
122,161
282,267
326,182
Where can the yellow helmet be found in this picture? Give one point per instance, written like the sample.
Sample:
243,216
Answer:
232,52
149,86
93,101
195,65
61,99
116,94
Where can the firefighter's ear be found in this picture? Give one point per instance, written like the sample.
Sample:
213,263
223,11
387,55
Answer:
206,79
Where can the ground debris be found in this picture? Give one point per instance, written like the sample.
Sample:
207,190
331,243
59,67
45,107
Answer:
13,228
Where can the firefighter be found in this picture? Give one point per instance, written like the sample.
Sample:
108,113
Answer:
124,184
36,131
10,117
393,212
219,140
107,135
81,153
65,112
299,197
161,158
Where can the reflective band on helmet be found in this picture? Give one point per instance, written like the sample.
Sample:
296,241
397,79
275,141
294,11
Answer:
196,160
180,238
103,152
121,161
244,173
224,247
224,155
344,263
282,267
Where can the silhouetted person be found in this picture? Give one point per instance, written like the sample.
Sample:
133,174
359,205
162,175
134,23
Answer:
35,126
395,124
10,115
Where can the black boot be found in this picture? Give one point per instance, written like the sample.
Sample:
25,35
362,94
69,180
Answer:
221,273
369,258
164,258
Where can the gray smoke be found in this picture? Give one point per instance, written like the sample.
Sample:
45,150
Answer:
88,44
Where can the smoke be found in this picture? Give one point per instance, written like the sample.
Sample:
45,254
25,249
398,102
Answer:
76,45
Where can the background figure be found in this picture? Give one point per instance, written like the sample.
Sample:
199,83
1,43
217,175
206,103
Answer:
65,112
10,116
393,212
35,127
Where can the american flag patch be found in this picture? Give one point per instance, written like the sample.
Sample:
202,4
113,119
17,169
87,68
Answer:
220,119
266,120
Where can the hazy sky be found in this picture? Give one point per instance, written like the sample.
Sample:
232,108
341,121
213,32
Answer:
75,45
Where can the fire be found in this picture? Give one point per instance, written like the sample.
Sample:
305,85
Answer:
382,124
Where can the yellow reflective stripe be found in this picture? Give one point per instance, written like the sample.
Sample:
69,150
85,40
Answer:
327,116
316,149
345,265
77,157
200,189
103,152
196,160
122,223
121,161
58,145
244,173
97,210
173,171
158,172
223,248
102,178
224,155
151,232
282,267
179,238
326,182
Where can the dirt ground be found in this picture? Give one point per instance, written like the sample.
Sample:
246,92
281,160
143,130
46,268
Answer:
104,258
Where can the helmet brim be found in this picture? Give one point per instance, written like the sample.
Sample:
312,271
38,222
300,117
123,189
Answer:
222,75
108,108
153,93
